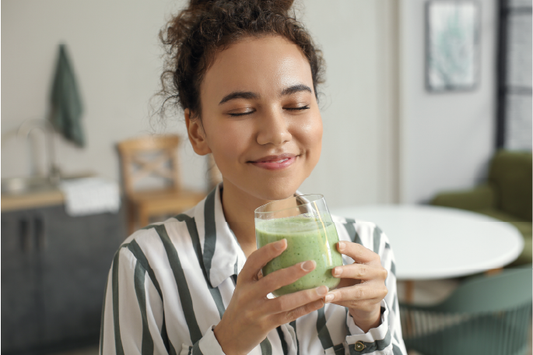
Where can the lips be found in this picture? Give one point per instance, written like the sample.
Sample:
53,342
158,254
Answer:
275,162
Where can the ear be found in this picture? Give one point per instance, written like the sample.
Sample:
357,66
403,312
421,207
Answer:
196,134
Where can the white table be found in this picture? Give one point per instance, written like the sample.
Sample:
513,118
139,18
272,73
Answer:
432,242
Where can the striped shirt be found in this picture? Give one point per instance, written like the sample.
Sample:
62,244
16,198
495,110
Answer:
170,283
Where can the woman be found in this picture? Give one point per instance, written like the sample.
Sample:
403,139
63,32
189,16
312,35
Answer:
245,74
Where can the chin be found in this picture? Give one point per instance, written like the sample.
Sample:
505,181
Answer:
277,192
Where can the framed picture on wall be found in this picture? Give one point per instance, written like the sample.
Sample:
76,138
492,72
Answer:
452,45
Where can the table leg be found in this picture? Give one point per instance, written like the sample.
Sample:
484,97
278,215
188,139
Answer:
409,291
408,298
492,272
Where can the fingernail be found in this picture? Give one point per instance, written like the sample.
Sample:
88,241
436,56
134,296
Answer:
322,290
280,245
329,298
341,246
337,271
308,265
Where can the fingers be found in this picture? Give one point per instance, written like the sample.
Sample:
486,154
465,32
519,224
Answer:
287,317
288,307
287,276
260,285
250,314
357,252
364,295
363,302
260,258
362,285
291,302
360,272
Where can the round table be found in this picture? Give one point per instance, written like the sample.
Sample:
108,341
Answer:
431,242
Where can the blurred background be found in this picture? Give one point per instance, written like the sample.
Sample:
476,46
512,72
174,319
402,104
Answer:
385,136
388,137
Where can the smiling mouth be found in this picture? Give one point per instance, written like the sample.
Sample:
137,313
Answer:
275,162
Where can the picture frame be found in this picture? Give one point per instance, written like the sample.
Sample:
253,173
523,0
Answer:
452,45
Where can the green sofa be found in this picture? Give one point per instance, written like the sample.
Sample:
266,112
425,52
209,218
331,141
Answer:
506,195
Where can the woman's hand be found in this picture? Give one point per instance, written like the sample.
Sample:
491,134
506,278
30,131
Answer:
250,316
362,285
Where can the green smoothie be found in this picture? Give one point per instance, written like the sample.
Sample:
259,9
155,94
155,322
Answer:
307,239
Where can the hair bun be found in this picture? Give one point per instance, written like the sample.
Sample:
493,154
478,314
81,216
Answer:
283,5
200,3
276,5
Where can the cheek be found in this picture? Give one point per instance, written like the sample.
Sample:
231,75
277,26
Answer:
311,134
227,142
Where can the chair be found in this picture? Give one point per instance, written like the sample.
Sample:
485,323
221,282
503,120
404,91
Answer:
506,195
145,161
485,315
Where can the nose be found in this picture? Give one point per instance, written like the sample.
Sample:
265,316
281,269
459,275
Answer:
273,128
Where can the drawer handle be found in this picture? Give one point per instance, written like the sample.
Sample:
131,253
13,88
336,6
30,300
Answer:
24,235
40,239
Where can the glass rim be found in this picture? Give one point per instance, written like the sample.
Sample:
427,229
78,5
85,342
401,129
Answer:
309,197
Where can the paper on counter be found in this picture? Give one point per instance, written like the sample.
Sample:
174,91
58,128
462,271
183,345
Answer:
90,196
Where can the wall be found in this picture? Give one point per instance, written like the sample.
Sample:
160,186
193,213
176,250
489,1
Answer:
351,169
115,52
446,138
114,49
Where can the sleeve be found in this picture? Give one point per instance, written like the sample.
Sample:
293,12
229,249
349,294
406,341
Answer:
207,345
133,315
387,337
132,320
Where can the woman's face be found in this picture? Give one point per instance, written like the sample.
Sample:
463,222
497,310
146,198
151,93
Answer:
260,118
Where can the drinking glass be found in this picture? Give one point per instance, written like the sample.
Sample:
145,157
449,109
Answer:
305,222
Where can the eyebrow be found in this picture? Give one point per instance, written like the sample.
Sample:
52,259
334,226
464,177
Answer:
295,88
238,95
250,95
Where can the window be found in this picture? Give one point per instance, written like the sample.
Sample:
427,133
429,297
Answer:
514,127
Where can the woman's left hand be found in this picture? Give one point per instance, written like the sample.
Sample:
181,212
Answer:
362,285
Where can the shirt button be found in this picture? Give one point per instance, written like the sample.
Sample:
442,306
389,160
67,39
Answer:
359,346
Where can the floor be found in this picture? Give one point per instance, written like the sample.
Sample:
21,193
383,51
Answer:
425,292
83,351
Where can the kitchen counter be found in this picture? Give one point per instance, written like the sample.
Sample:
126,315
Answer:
35,198
13,202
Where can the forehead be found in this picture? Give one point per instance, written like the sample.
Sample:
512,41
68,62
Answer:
262,65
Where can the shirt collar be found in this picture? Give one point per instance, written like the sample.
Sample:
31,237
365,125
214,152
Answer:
222,254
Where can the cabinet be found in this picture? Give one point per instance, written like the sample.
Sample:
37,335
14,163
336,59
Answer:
54,272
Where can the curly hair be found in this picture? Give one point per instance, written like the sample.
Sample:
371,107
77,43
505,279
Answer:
194,36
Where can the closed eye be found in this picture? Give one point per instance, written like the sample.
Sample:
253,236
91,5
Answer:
238,114
306,107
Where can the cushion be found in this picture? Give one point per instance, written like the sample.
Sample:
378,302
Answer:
510,174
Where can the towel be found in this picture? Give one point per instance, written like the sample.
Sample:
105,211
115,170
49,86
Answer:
66,109
90,196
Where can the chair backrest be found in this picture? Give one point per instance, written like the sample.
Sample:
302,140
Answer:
510,174
149,156
489,315
509,289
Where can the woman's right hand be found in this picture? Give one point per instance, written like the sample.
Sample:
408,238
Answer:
250,316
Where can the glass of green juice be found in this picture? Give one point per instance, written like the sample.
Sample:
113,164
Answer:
306,223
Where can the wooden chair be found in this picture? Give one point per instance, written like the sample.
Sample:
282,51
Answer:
153,158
